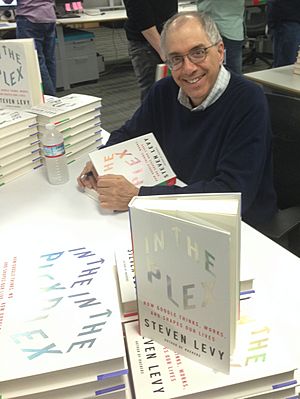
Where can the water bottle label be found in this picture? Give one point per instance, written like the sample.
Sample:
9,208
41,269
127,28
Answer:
54,151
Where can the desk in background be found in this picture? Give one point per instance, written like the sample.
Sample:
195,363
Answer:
89,17
280,79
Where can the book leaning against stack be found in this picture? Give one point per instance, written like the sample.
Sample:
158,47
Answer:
19,144
77,117
60,327
20,77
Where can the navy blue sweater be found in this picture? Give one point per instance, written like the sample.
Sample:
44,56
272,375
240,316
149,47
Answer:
225,148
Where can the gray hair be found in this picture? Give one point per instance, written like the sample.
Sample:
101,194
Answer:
208,25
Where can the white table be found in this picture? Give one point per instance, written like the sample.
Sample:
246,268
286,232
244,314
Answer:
282,79
33,212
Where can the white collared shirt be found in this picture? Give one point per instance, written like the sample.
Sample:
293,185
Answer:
216,92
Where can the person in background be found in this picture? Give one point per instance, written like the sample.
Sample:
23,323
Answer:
212,125
37,19
229,17
143,26
284,25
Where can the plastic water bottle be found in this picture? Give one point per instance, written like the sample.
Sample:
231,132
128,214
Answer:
54,155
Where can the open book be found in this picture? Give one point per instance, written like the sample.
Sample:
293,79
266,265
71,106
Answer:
186,254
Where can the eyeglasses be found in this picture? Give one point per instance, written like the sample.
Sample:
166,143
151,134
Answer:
196,55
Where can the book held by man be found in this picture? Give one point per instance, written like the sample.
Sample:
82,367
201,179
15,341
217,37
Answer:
140,160
186,254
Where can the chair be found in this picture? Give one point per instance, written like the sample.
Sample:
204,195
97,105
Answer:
256,38
284,228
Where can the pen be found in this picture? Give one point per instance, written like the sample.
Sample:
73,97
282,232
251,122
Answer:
86,175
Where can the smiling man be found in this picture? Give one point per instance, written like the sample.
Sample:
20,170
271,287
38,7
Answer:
213,125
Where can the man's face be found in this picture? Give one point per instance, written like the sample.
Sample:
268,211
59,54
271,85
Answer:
196,80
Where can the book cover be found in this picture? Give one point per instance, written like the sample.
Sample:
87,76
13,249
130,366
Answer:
140,160
126,276
159,372
20,78
186,254
59,318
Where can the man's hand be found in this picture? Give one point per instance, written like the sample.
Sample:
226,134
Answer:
115,192
88,177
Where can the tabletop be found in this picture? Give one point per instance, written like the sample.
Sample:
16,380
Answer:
282,79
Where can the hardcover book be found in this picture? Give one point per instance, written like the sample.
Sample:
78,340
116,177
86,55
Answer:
10,167
32,150
20,78
159,372
186,254
140,160
77,129
162,70
80,141
127,283
114,387
67,108
73,126
30,134
73,155
60,323
13,121
20,147
109,388
126,280
4,179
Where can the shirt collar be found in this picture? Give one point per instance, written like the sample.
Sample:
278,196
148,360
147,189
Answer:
216,92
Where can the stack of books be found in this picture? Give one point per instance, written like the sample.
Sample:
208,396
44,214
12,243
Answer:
261,371
60,328
77,117
297,64
19,144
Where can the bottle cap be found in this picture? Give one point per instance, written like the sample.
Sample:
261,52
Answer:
50,126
